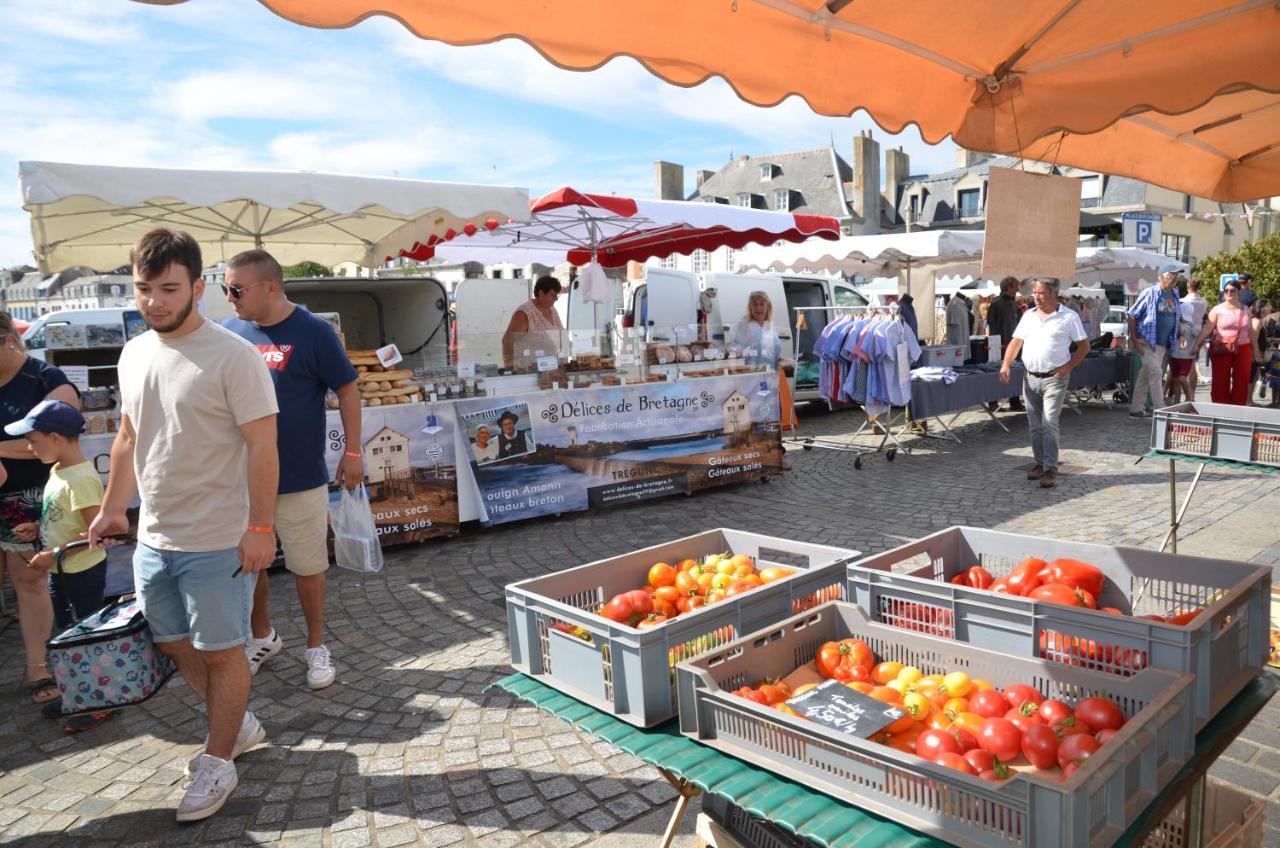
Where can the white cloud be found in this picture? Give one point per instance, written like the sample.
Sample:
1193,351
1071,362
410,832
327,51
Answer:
85,21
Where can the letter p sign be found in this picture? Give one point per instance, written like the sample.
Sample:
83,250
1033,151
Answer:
1144,232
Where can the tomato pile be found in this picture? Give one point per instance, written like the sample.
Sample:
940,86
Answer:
672,590
1068,582
956,721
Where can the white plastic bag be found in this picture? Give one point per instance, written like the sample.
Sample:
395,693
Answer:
355,537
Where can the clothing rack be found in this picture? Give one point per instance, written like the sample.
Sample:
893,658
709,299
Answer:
886,429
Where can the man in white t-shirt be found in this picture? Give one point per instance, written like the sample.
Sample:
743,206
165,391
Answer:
1044,337
197,443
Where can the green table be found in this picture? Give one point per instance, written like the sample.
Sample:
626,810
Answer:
692,768
1177,513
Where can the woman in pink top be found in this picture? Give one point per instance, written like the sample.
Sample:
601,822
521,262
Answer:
1231,350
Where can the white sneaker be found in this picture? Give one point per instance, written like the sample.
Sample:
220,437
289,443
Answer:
250,734
209,789
258,651
320,671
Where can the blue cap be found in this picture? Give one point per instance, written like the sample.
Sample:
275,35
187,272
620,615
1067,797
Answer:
49,416
1170,269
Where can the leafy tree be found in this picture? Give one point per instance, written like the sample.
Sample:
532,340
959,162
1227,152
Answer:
1260,258
307,269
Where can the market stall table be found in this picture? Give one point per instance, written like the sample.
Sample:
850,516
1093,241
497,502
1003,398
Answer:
1177,513
692,768
973,387
1096,373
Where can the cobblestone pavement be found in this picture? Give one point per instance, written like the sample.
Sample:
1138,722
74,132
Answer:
408,748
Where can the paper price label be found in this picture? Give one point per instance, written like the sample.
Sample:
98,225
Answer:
626,359
389,355
466,370
548,363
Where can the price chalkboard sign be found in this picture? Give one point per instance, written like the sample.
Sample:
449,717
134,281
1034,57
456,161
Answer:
835,705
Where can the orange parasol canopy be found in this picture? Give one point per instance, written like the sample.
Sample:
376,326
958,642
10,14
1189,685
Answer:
994,75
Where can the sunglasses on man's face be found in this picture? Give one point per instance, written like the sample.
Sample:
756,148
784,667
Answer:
237,292
1231,290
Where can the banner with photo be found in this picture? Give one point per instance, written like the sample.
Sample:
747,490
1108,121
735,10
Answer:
410,468
574,449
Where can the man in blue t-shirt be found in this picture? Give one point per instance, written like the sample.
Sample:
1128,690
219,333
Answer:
305,359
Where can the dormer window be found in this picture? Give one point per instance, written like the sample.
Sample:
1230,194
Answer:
744,199
782,200
768,172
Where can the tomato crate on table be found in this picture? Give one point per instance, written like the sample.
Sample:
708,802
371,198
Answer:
1090,809
559,636
1225,645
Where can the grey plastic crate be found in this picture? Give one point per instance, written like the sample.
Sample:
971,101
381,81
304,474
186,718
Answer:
1092,808
1224,647
749,831
630,673
944,356
1219,430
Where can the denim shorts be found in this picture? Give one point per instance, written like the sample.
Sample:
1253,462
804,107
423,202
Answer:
194,596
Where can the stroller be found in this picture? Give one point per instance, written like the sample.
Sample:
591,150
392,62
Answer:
106,659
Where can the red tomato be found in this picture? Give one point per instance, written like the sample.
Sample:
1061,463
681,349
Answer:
955,761
931,743
641,602
661,607
1022,720
619,608
775,693
1040,746
1025,576
667,593
1054,710
653,619
1070,769
1019,693
999,737
1104,736
1111,610
1002,586
845,654
966,740
980,760
1059,593
997,775
753,695
988,703
1099,714
1076,749
1068,727
1077,575
1186,617
978,577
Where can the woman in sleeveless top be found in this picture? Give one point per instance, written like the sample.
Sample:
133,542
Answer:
1232,350
535,329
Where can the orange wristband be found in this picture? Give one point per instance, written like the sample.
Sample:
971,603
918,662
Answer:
256,529
353,454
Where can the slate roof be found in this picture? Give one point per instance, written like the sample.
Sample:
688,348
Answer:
815,178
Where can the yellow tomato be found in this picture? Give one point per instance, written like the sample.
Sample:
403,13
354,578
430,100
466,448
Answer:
897,685
957,684
721,581
802,688
955,706
936,678
971,722
742,561
724,566
979,684
910,674
916,704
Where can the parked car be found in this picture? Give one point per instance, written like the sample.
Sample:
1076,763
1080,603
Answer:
1116,323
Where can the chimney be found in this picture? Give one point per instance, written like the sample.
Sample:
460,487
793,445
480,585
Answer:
969,158
702,175
669,180
897,167
866,183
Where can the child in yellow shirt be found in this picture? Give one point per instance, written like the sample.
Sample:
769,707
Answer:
72,498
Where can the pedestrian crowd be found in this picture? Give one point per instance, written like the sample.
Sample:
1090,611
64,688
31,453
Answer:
218,464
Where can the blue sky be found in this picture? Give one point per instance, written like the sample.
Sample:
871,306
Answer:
226,84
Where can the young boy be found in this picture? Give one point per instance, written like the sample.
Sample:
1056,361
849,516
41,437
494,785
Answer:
72,498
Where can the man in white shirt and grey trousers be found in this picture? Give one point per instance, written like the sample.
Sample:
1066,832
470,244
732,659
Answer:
1044,337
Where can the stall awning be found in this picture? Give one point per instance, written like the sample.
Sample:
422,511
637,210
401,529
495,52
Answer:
92,214
569,226
994,76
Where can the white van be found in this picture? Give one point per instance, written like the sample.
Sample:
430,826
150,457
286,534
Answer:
671,298
112,328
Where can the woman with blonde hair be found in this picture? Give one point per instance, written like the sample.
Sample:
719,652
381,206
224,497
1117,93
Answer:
761,346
